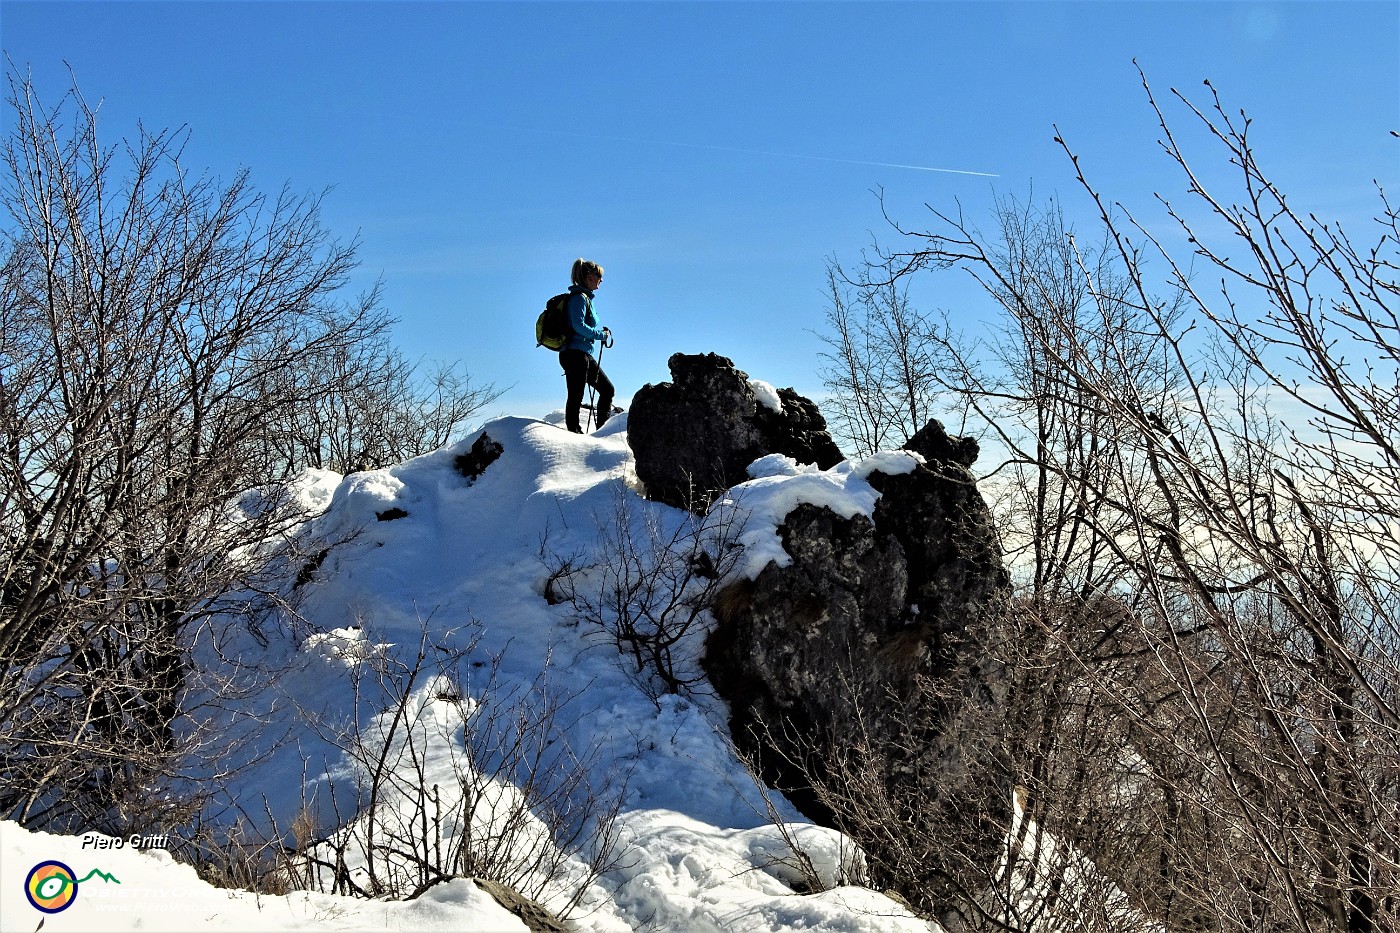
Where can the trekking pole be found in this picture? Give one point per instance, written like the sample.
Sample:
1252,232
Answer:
592,391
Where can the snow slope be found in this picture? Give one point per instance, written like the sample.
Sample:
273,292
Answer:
301,717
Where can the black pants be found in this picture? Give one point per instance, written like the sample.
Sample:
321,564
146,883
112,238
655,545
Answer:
581,370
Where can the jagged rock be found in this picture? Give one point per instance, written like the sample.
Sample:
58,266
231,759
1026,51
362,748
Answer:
392,514
869,640
483,453
697,434
792,645
951,549
307,573
933,443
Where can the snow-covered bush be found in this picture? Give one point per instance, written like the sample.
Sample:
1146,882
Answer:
650,583
459,780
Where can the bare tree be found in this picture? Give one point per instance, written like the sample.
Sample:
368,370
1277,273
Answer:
146,318
884,365
1220,467
461,778
364,406
650,585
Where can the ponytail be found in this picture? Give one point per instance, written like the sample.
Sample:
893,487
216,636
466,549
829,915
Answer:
580,267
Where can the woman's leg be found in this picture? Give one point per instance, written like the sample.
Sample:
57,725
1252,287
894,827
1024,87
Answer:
576,369
600,381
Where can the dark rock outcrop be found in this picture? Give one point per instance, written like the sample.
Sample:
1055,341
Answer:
697,434
866,651
858,676
935,444
951,550
484,452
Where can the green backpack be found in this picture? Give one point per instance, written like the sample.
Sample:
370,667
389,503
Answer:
552,326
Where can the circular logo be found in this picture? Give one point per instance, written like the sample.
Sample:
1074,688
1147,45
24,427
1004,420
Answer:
51,887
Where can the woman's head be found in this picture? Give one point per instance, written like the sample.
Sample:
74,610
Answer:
585,267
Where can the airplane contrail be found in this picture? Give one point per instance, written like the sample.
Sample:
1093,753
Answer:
764,152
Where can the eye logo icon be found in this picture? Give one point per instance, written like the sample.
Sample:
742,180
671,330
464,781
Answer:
51,887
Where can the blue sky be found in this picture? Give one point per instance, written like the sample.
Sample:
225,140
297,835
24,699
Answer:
712,156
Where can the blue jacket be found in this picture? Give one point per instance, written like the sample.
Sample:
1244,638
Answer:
582,321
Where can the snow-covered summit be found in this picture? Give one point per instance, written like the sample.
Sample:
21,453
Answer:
418,568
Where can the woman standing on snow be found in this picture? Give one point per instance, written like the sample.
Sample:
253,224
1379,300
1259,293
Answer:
576,356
